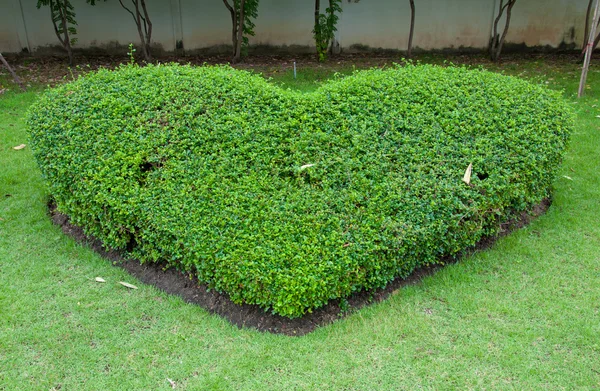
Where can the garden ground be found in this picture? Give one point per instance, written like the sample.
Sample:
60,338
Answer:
524,314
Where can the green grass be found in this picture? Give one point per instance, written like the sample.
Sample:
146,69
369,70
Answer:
522,315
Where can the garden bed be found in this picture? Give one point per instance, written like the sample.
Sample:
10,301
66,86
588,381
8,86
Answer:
176,283
291,201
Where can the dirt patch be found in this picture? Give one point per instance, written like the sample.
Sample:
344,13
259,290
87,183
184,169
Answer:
174,282
53,70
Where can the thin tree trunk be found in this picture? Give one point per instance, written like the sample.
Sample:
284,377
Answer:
587,26
65,27
588,52
54,24
510,3
143,32
147,28
64,41
586,38
494,41
240,33
593,47
330,16
498,41
138,23
12,72
234,24
412,28
317,28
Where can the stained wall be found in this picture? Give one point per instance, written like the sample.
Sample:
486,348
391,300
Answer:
205,24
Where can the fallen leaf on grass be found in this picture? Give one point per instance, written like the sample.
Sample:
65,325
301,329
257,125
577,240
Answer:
567,177
100,279
172,383
19,147
128,285
467,178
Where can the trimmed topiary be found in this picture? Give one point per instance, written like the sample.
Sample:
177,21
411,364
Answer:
288,200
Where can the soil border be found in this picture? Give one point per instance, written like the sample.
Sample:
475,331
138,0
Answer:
190,290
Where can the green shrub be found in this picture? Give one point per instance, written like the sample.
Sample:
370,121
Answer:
289,200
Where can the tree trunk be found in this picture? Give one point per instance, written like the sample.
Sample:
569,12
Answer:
12,72
494,40
147,30
510,3
318,28
412,28
331,43
234,24
234,35
240,34
138,23
593,46
144,26
590,49
497,41
66,40
587,26
584,46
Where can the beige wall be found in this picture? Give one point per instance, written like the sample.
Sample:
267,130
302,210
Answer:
547,22
440,24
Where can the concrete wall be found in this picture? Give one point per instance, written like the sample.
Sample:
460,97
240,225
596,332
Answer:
541,23
201,24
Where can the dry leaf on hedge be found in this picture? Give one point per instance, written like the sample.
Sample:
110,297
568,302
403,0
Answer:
128,285
19,147
467,178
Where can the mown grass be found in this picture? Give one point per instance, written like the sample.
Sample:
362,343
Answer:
523,315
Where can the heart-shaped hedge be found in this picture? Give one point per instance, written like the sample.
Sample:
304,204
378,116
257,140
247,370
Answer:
289,200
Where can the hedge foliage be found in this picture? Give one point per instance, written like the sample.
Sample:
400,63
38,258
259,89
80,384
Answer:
289,200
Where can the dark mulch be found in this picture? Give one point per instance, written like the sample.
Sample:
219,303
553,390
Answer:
174,282
53,70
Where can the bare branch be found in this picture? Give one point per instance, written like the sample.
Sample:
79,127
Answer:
128,10
229,7
12,72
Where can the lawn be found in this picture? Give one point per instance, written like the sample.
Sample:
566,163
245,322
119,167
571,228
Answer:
524,314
